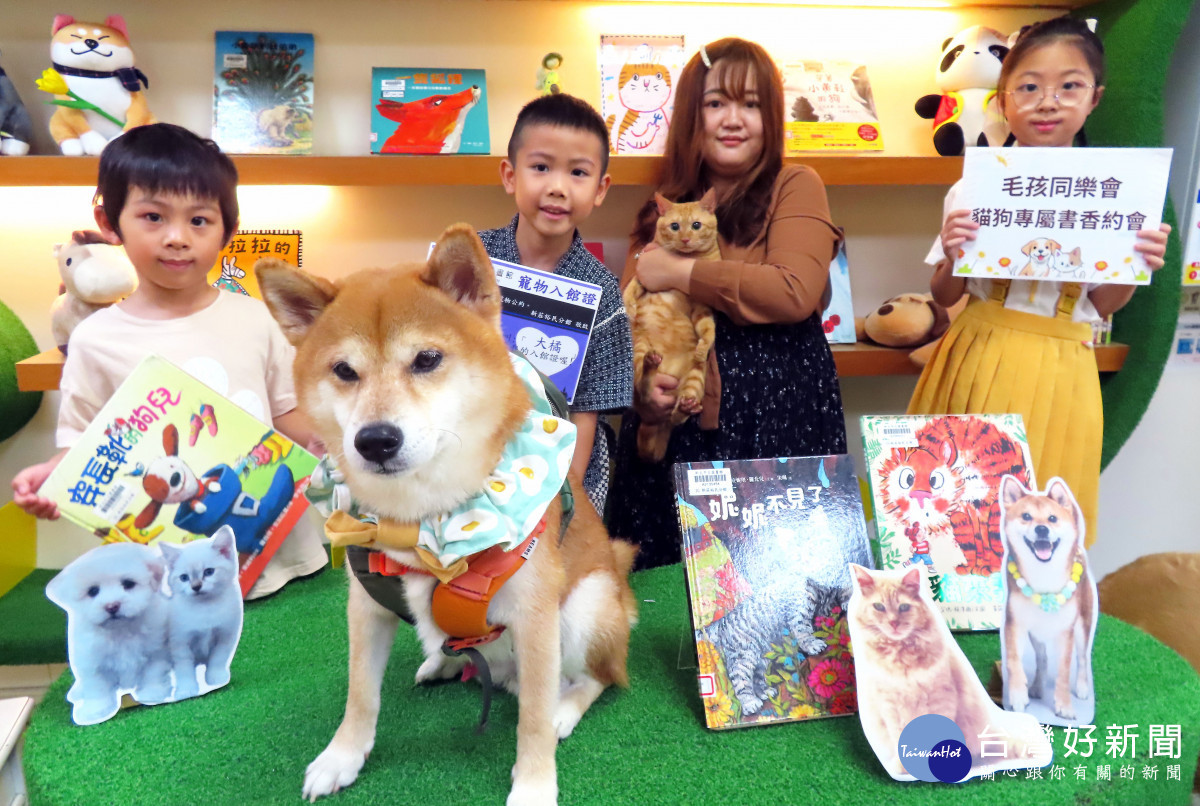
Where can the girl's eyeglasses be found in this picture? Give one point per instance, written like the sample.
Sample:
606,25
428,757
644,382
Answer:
1070,93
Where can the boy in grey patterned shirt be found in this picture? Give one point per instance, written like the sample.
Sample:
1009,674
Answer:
557,170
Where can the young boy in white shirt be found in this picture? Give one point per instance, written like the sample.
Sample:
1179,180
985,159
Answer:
170,197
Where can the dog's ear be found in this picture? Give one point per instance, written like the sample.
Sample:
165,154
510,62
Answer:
294,297
148,514
171,440
941,320
59,588
1055,246
60,22
460,266
1058,492
117,23
911,581
1011,490
862,578
662,203
156,567
1027,248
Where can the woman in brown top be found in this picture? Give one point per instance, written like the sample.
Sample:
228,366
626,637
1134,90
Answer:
772,387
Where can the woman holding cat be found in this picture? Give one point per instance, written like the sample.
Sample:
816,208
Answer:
771,386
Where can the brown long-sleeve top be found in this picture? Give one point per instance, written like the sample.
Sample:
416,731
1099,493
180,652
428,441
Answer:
780,278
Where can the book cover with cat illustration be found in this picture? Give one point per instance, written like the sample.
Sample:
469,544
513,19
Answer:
935,484
169,458
828,106
766,547
638,75
263,92
429,110
234,269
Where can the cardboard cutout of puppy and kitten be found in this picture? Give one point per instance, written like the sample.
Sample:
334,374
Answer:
159,622
924,710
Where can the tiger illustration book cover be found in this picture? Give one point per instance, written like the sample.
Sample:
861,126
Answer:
766,546
935,483
638,75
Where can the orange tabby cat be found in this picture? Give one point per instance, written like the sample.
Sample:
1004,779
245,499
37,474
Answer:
907,665
671,333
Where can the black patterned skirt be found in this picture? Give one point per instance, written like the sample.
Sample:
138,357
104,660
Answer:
779,397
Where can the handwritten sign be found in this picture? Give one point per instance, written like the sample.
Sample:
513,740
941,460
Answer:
1062,214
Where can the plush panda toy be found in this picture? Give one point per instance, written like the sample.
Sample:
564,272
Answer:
967,113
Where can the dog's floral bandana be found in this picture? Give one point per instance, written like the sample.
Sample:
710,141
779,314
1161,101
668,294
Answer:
515,496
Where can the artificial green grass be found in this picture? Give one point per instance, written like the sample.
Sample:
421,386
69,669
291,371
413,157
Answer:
250,742
16,344
32,628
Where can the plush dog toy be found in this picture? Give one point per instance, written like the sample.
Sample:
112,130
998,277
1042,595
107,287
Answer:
98,90
16,129
967,113
908,320
95,274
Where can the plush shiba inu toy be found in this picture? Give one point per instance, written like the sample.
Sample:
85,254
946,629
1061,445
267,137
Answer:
103,96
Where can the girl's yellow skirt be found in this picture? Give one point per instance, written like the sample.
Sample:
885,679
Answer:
994,360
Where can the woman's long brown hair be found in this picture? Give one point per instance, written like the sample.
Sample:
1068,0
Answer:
741,215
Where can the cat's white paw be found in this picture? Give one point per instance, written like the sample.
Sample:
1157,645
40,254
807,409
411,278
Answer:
439,668
336,768
71,147
93,142
528,791
566,717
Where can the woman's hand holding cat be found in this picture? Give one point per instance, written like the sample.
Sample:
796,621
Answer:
661,402
662,270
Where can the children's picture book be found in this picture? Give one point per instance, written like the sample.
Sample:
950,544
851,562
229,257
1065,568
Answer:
234,269
828,106
1062,215
168,459
159,623
766,548
548,319
429,110
263,92
935,485
638,75
838,318
1051,605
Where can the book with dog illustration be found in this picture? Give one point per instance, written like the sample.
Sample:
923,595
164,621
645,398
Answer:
766,547
234,269
1062,215
638,75
935,485
169,459
263,92
429,110
828,106
838,318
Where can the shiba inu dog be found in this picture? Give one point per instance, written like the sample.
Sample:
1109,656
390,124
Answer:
1051,597
405,376
96,62
432,125
1042,254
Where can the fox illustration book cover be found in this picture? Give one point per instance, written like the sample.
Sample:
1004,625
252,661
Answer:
169,459
935,484
766,548
263,92
429,110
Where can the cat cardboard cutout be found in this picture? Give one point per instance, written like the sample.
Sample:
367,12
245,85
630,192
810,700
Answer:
923,709
1051,605
160,623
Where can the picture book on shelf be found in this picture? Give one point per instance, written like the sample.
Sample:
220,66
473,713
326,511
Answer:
766,548
429,110
828,106
935,484
263,92
638,75
234,269
169,459
838,319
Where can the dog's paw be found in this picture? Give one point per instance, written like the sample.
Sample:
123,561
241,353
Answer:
1018,698
528,791
336,768
1064,707
439,668
71,147
93,142
216,677
566,717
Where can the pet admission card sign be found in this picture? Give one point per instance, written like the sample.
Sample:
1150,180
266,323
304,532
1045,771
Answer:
263,92
234,269
548,319
766,543
638,75
429,110
1061,214
169,459
828,106
935,484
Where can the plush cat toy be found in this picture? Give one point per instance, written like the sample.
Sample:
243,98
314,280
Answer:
16,129
97,88
94,274
967,112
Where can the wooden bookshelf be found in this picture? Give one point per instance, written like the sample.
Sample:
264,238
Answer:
476,170
41,373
